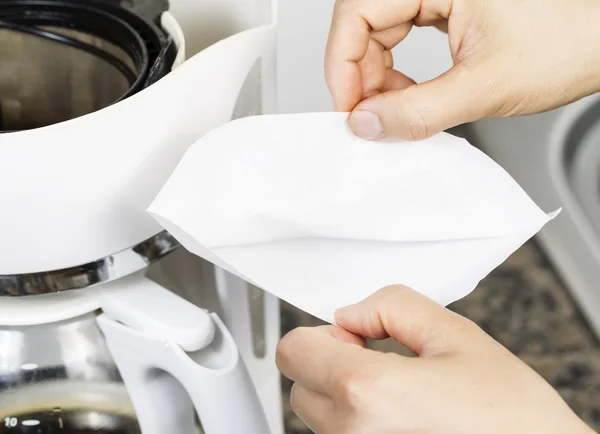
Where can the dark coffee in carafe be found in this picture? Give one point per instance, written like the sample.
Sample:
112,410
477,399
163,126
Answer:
65,421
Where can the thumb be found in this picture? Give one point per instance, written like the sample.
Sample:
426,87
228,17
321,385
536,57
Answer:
422,110
417,322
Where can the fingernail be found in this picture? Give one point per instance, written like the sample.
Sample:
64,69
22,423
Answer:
366,125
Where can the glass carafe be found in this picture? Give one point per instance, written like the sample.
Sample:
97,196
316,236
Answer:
125,357
59,378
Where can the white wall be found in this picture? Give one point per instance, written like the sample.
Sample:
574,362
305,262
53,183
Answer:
303,29
205,22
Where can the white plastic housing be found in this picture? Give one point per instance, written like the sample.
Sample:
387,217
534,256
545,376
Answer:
77,191
176,358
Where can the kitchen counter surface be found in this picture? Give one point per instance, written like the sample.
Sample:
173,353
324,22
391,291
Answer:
524,305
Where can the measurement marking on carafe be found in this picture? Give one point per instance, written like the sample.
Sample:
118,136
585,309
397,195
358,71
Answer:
11,422
29,366
30,422
60,423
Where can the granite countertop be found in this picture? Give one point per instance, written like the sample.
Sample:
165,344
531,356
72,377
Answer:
524,305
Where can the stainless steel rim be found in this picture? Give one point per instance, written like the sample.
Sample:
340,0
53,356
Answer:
104,270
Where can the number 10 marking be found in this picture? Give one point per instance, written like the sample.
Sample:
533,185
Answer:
11,422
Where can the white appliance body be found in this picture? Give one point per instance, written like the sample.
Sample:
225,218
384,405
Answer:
77,191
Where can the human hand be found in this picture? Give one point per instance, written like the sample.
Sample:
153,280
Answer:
462,382
511,57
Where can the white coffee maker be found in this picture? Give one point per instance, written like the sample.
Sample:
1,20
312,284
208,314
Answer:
107,325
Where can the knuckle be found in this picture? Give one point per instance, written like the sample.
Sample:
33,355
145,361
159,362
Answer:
353,389
416,126
393,294
345,8
393,290
343,5
499,103
500,100
411,119
287,344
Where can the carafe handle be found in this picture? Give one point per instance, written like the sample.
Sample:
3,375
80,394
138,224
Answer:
175,357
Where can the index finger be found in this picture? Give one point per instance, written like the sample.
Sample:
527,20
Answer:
351,27
317,358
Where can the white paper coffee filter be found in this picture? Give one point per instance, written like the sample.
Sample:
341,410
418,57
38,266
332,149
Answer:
300,207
